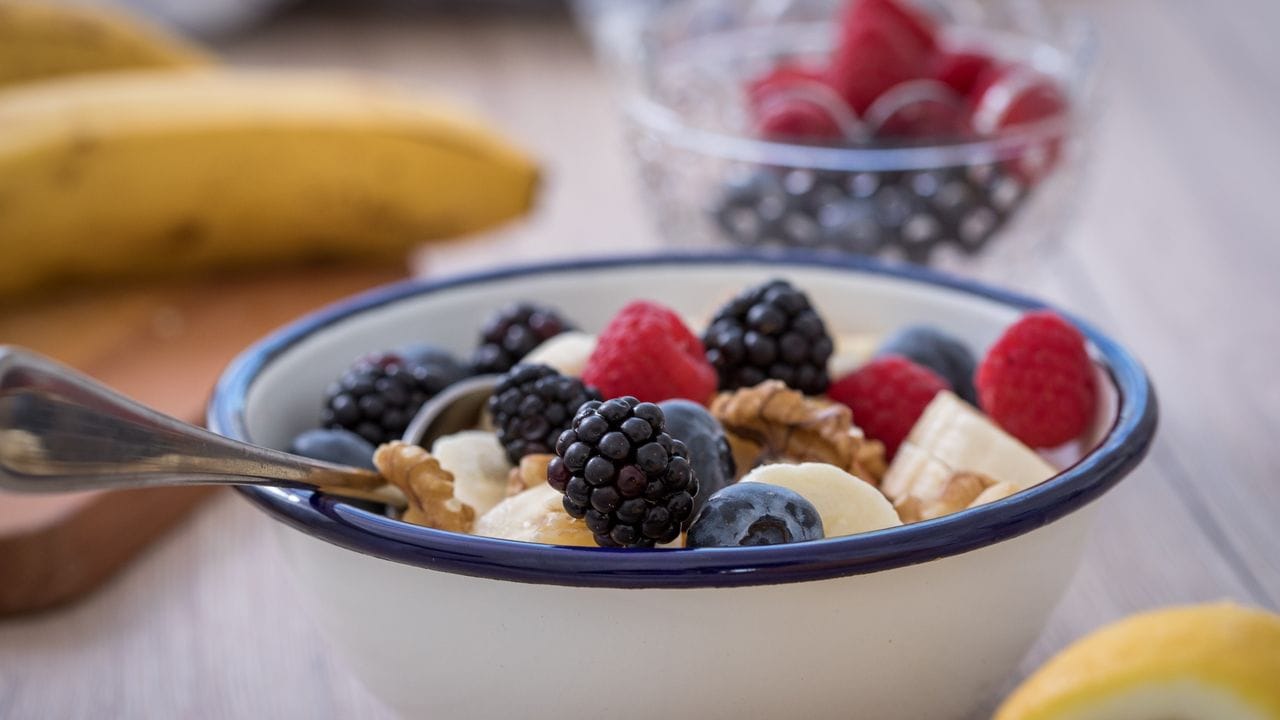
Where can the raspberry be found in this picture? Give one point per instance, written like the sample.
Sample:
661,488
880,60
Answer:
882,43
870,60
962,70
780,80
932,348
887,396
917,109
796,119
899,14
1037,381
783,103
623,474
1038,98
647,352
1017,96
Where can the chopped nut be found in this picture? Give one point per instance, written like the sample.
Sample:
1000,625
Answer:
746,454
869,461
999,491
771,422
960,490
531,472
427,486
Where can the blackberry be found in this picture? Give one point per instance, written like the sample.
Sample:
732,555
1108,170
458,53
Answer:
769,331
532,405
512,332
622,473
377,396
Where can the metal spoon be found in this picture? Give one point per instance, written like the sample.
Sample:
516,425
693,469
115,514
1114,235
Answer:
61,431
457,407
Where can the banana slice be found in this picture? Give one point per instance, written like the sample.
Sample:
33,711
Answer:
847,505
957,434
479,466
952,438
535,515
566,352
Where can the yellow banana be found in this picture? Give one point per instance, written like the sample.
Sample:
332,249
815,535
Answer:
148,173
42,39
955,457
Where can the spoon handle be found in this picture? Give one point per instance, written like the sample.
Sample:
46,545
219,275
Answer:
62,431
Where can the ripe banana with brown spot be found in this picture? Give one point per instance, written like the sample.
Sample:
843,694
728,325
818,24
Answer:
155,173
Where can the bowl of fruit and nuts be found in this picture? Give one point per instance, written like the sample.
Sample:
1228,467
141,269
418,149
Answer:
701,486
939,133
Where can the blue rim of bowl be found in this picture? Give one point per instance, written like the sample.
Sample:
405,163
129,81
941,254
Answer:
335,521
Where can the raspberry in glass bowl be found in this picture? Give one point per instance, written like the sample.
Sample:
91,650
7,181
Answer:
936,134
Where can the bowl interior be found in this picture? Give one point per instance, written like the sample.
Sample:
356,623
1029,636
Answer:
286,398
274,390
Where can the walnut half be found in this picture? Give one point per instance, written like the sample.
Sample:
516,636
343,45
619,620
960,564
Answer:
427,486
531,471
961,490
771,422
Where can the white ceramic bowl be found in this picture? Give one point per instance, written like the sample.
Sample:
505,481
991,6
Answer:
916,622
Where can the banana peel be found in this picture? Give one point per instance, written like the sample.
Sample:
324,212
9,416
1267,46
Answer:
157,173
40,40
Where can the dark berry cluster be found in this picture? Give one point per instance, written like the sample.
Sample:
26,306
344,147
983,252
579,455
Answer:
916,214
532,405
769,331
623,474
512,332
378,396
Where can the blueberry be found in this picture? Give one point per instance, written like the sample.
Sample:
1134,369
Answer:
751,208
336,446
709,452
754,514
938,351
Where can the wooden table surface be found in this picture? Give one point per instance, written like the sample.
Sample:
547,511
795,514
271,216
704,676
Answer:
1175,249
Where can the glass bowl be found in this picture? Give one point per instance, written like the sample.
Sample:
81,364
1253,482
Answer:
965,204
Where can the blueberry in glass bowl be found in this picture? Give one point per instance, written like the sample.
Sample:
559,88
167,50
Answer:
936,133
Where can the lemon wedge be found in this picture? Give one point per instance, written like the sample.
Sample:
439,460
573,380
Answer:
1217,661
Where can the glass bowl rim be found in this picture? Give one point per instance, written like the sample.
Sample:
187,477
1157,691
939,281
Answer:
1079,62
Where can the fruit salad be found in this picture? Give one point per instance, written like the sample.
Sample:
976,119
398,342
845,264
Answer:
764,428
895,78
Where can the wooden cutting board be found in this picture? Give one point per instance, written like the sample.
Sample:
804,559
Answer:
164,346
